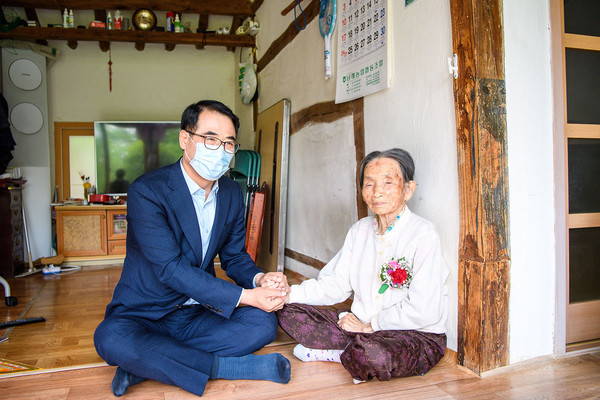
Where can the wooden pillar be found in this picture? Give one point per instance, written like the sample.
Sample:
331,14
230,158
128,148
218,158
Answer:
484,254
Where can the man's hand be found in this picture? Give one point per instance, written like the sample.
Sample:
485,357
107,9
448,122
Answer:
274,280
264,298
350,323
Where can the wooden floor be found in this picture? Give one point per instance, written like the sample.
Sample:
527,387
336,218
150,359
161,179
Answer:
74,304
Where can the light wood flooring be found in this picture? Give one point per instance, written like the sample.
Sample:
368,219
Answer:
74,304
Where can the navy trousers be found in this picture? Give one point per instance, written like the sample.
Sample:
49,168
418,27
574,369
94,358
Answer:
179,348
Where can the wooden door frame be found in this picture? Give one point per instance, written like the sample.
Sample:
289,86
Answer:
62,133
560,176
565,312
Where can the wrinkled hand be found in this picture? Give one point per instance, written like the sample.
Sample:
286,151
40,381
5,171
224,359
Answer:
350,323
274,280
266,299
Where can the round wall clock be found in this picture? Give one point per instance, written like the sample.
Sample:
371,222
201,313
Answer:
27,118
25,74
144,19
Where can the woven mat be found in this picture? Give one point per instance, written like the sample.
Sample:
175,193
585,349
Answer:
9,367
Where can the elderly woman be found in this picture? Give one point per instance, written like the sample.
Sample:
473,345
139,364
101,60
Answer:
393,265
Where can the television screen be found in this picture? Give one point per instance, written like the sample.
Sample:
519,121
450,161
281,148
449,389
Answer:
125,150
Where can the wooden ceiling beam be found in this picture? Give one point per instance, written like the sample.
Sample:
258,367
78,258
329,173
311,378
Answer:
98,35
208,7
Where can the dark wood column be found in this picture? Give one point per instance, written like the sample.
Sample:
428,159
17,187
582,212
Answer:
484,254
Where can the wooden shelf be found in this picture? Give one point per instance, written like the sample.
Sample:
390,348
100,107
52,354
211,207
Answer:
105,36
238,9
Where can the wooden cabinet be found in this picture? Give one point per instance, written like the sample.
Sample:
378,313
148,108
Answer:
12,247
91,231
116,225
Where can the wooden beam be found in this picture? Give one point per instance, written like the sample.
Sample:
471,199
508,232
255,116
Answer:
208,7
210,39
311,11
290,7
202,28
304,259
484,255
236,23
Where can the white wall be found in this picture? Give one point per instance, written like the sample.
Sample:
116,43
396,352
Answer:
531,184
153,84
416,113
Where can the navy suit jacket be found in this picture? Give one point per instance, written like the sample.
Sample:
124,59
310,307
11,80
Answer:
163,266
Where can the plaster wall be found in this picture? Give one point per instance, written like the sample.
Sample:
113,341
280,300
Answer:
297,73
321,188
531,181
152,84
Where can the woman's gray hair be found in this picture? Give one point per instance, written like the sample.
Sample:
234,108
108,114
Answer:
407,165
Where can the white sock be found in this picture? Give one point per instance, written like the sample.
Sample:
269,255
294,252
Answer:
305,354
357,381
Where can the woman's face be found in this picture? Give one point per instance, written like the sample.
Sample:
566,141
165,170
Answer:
384,189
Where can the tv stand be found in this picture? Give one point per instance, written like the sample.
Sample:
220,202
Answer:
91,232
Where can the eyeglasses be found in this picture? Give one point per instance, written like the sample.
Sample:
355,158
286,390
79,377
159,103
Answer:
213,143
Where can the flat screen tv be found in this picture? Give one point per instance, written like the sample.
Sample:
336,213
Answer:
126,149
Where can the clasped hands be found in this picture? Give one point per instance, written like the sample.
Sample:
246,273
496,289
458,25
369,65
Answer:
271,292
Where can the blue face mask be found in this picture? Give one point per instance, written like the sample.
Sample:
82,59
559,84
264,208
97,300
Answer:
210,164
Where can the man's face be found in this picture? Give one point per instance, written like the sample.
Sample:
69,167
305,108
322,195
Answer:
210,124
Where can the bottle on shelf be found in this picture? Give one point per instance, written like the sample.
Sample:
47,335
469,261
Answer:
177,24
65,19
86,186
109,21
71,20
118,20
169,27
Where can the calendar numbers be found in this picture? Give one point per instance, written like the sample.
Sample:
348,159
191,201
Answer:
363,25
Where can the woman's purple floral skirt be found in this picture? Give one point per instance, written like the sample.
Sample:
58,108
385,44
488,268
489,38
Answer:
381,354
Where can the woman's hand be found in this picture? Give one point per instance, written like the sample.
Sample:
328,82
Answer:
350,323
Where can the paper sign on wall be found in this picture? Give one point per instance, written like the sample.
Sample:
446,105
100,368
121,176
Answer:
362,54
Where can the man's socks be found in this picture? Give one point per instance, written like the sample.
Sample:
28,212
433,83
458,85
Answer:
306,354
122,381
269,367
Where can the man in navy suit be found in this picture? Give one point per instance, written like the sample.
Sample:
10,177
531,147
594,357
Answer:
171,319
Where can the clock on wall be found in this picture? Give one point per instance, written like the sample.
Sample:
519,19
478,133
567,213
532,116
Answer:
144,19
25,74
27,118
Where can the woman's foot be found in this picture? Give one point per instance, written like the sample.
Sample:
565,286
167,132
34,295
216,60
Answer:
305,354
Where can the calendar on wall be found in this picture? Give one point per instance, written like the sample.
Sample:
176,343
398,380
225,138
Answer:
362,48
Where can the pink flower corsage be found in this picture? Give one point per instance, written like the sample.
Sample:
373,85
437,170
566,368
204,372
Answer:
396,273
